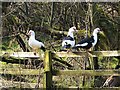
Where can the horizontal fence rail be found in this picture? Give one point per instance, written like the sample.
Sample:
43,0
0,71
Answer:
22,54
66,54
14,71
90,53
87,72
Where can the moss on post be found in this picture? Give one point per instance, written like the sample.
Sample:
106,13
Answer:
47,79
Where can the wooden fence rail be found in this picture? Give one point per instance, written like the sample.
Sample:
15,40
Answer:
90,54
31,72
64,54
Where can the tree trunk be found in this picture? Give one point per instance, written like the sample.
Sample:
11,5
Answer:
21,43
52,13
91,26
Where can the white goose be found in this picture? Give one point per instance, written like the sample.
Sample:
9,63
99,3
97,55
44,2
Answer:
69,41
87,43
33,43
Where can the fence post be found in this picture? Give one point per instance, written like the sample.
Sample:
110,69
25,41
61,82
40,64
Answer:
47,78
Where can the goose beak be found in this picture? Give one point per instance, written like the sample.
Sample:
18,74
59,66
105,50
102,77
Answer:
76,30
29,33
102,33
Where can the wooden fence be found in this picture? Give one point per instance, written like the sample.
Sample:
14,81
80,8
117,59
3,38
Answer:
49,72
